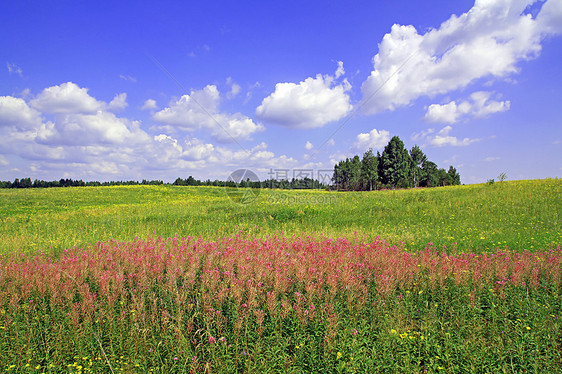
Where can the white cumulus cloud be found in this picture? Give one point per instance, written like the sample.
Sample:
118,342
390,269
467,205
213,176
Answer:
15,112
309,104
85,129
101,145
373,139
442,138
487,41
200,109
479,105
119,102
149,104
66,98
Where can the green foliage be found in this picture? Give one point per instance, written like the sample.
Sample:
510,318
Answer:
369,171
430,174
454,176
418,159
395,164
395,168
347,174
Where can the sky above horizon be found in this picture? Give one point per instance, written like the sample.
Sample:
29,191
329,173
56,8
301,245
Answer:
129,90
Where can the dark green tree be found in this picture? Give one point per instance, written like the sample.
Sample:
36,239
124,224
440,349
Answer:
190,181
395,164
443,177
369,170
179,182
340,177
454,176
418,158
355,173
430,174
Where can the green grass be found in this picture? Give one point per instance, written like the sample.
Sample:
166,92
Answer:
519,215
150,305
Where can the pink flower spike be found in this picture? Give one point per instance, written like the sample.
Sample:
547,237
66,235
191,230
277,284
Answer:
222,339
212,340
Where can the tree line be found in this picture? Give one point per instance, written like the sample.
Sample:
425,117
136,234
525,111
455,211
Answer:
37,183
304,183
293,184
396,167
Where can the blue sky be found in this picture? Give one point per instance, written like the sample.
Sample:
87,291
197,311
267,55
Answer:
124,90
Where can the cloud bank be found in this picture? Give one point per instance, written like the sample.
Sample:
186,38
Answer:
488,41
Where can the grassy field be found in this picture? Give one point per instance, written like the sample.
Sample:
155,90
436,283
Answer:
178,279
519,215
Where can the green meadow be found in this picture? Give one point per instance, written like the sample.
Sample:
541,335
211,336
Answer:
169,279
476,218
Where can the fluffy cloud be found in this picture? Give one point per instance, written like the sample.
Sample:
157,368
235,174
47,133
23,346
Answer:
66,98
119,102
443,138
374,139
84,129
487,41
149,104
15,112
312,103
81,128
446,113
102,145
234,89
200,109
308,146
171,150
479,105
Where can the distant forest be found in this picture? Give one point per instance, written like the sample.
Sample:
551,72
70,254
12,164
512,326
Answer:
305,183
37,183
394,168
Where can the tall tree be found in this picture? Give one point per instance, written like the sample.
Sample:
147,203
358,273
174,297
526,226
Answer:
454,176
418,158
355,173
369,170
443,177
430,177
395,164
341,174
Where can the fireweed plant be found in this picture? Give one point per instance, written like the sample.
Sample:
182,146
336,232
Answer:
279,304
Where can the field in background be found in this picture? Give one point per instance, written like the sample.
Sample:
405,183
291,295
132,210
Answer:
519,215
